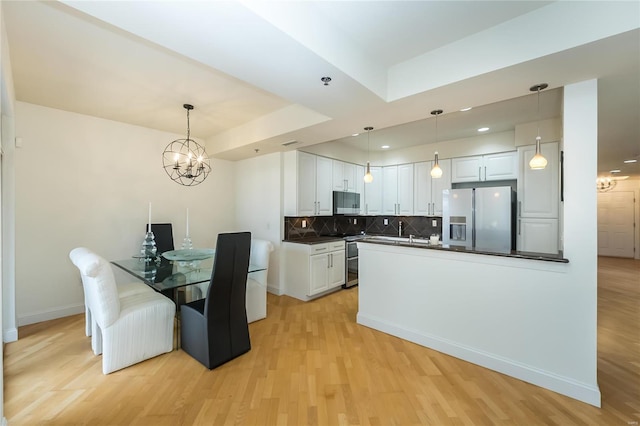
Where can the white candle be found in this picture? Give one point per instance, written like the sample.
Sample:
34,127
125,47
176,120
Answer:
187,222
149,227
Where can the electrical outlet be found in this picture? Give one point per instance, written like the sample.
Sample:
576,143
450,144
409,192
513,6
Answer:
355,221
385,221
304,223
434,223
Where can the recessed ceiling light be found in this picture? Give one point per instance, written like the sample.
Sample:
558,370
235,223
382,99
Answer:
630,161
465,109
483,129
385,147
355,134
614,171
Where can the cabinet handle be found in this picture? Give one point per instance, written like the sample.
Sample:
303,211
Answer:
519,222
519,207
479,173
485,172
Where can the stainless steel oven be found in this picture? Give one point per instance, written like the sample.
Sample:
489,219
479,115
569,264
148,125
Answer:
351,262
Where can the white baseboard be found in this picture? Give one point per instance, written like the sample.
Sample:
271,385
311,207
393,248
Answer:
10,335
274,290
59,312
548,380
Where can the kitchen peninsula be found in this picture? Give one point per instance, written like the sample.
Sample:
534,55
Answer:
510,312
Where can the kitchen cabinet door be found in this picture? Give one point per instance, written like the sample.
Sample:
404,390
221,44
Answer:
318,273
390,190
428,191
422,188
344,176
500,166
324,186
306,184
438,185
359,186
405,189
373,192
466,169
479,168
336,268
538,190
538,235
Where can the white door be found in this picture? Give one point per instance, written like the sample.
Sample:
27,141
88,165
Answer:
466,169
405,189
306,184
422,188
373,192
616,224
500,166
438,185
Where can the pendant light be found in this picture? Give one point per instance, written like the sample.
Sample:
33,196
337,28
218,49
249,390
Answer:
186,161
538,162
436,171
368,177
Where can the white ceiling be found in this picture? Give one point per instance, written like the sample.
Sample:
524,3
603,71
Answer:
252,69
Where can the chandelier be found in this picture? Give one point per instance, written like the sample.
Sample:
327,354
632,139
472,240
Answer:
186,161
605,184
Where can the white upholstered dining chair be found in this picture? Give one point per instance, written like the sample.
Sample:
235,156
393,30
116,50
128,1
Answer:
129,329
124,289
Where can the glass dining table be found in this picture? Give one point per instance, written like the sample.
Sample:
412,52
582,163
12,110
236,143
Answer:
169,277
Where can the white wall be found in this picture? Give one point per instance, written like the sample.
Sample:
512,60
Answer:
259,207
85,181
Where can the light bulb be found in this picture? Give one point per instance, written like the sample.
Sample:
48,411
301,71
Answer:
436,171
538,162
368,177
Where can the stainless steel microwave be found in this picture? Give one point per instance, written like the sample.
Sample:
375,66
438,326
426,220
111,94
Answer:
346,202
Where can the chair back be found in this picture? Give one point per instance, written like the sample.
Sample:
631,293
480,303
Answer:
100,285
260,252
225,307
163,234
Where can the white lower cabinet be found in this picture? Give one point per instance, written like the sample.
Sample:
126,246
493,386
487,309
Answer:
313,269
538,235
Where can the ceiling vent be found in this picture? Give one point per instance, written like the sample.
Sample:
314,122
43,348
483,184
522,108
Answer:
289,143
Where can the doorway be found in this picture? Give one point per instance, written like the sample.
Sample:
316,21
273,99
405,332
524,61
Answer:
616,224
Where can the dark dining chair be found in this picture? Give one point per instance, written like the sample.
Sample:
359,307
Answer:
214,330
163,233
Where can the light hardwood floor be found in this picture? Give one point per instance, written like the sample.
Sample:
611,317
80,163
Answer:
311,364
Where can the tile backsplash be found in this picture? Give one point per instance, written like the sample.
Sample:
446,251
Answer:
316,226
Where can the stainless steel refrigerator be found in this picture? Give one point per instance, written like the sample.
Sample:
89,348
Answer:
480,218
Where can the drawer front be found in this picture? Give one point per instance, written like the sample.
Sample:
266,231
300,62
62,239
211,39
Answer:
336,245
319,248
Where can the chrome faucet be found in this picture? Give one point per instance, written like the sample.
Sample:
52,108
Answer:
400,229
411,238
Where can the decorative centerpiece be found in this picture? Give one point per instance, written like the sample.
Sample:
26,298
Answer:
149,250
186,243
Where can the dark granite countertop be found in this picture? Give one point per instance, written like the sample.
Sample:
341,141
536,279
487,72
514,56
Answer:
313,240
422,244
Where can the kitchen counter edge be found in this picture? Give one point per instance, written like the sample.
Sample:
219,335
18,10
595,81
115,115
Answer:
513,253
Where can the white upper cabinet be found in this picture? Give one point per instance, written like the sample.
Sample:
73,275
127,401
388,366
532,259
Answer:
397,190
539,190
427,190
308,185
373,193
344,176
500,166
